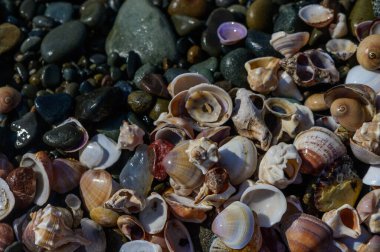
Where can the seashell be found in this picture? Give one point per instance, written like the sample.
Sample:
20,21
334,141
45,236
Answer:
372,177
5,166
369,210
318,147
248,118
160,149
363,29
216,199
179,168
354,244
104,217
137,172
96,187
203,153
234,225
6,236
185,209
289,44
74,203
267,202
280,165
303,232
82,129
263,74
158,239
343,49
216,134
179,189
100,152
66,174
95,234
205,105
172,129
310,68
339,29
172,135
239,157
359,75
42,166
130,136
48,230
184,82
365,143
177,237
287,88
154,216
131,227
327,122
344,221
140,246
337,185
230,33
23,183
7,200
372,245
368,53
293,206
316,15
236,197
9,99
127,201
316,102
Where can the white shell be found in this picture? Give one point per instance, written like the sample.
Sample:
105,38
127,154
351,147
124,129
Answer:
353,244
372,177
360,75
130,136
155,214
7,199
203,153
177,237
217,200
268,202
339,30
100,152
236,197
185,81
140,246
280,165
341,227
342,48
239,157
289,44
287,88
316,15
93,232
234,225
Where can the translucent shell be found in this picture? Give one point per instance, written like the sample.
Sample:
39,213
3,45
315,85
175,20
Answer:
95,234
140,246
368,53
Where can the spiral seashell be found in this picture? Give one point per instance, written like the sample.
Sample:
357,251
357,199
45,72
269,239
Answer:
349,113
131,227
177,237
216,134
140,246
104,217
184,82
368,53
95,234
154,216
9,99
66,174
203,153
234,225
7,200
23,184
344,221
289,44
304,232
130,136
316,15
96,187
6,236
127,201
5,166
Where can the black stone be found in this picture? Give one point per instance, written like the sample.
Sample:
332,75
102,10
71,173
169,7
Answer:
65,137
258,43
232,66
133,63
27,129
51,76
54,108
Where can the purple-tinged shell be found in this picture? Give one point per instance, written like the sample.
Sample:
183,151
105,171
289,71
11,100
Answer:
230,33
366,28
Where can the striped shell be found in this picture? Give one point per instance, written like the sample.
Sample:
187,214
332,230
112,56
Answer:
289,44
67,174
9,99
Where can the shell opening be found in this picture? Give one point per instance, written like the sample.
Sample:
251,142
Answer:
348,218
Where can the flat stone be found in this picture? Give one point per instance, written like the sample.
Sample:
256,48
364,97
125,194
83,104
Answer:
30,44
143,28
65,137
9,37
54,108
60,11
184,25
27,129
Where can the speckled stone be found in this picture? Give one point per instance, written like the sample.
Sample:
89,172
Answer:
140,101
232,66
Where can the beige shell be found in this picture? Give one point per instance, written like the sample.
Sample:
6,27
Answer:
365,143
203,153
280,165
66,174
369,210
289,44
339,29
287,88
316,15
343,49
130,136
9,99
263,74
184,82
127,201
7,200
104,217
172,129
344,221
356,244
131,227
248,118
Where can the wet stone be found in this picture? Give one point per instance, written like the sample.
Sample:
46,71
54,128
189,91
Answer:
60,11
43,22
171,73
30,44
154,84
232,66
9,37
258,43
140,101
65,137
133,63
28,9
194,8
185,24
92,13
142,71
27,129
51,76
54,108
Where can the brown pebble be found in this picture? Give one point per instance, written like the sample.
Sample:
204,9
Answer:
9,37
316,102
194,54
191,8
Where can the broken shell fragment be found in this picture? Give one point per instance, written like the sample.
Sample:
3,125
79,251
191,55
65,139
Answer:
127,201
343,49
365,143
339,29
289,44
130,136
131,227
177,237
203,153
344,221
154,216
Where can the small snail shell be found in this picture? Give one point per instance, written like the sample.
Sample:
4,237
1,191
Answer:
348,112
9,99
368,53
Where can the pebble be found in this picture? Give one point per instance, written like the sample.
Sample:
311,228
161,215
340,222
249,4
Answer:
184,24
154,84
141,17
28,9
210,64
43,22
54,108
27,129
92,13
288,20
142,71
60,11
51,76
58,46
161,106
259,15
194,8
224,3
30,44
9,37
258,43
171,73
361,11
133,63
194,54
232,66
64,137
140,101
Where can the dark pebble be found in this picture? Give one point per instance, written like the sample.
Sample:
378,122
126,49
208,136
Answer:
154,84
27,129
64,137
60,11
258,43
183,45
43,22
140,101
51,76
29,91
69,74
92,13
54,108
171,73
28,9
30,44
232,66
98,59
86,87
133,63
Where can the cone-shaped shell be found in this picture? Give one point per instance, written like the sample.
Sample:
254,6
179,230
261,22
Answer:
177,237
344,221
289,44
234,225
9,99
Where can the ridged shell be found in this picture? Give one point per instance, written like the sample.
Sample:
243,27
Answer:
131,227
344,221
177,237
104,217
155,214
9,99
316,15
365,144
7,200
130,136
66,174
95,234
184,82
369,209
234,225
140,246
127,201
289,44
268,202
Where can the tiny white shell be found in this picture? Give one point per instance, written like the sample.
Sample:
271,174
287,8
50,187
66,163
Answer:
342,48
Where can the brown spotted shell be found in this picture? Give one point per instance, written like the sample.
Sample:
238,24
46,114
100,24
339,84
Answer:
9,99
23,183
368,53
6,236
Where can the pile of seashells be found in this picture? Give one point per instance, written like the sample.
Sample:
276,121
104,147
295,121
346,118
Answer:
224,160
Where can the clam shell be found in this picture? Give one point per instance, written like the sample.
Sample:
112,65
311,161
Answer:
155,214
184,82
289,44
230,33
131,227
140,246
268,202
239,157
66,174
287,88
360,75
95,234
372,177
316,15
318,147
344,221
177,237
100,152
234,225
343,49
7,200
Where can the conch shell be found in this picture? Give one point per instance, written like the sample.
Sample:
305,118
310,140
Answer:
130,136
203,153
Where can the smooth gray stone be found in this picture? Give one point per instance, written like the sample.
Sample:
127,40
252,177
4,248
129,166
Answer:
60,11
